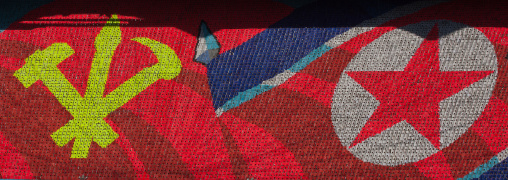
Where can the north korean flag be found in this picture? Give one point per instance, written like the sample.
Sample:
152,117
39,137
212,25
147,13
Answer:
261,90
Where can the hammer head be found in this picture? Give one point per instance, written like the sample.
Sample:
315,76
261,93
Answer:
41,61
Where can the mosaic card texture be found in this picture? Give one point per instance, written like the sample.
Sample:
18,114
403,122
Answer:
267,89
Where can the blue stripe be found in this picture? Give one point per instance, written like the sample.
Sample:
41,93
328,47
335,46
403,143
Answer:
261,58
304,62
257,90
245,96
499,171
283,44
481,169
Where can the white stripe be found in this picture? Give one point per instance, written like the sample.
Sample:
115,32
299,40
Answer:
279,78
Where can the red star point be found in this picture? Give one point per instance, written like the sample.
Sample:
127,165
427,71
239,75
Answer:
413,95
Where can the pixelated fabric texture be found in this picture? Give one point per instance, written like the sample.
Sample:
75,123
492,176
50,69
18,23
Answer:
266,89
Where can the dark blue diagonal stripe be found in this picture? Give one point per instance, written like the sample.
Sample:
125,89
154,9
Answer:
284,43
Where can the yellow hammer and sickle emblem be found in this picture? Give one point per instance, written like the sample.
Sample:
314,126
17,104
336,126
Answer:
89,112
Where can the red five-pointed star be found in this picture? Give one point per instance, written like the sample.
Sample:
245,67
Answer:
413,95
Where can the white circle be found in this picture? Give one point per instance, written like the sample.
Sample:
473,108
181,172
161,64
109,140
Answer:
461,48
